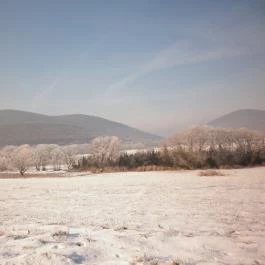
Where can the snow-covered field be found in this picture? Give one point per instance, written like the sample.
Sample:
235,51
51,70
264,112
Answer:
134,218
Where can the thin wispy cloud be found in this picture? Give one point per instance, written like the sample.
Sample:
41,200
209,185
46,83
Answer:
174,56
67,72
239,36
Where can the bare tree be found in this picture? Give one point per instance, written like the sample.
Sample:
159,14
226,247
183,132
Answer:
70,153
57,156
40,156
105,148
5,157
3,163
193,139
21,158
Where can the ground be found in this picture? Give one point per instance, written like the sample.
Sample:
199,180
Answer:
134,218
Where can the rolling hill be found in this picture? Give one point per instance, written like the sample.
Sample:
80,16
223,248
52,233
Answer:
20,127
246,118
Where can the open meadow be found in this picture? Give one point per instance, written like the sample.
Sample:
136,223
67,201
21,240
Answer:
134,218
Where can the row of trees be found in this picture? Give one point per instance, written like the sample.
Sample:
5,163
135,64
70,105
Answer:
197,147
23,157
102,150
216,147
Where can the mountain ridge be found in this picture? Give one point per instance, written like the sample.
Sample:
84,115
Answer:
19,127
252,119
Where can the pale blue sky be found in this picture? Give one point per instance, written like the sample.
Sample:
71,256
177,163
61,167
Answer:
155,65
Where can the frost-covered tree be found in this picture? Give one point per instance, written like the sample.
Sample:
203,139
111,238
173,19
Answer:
69,157
57,157
105,148
192,139
3,163
5,157
21,158
40,156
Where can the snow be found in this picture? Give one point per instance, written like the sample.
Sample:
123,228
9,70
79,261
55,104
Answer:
134,218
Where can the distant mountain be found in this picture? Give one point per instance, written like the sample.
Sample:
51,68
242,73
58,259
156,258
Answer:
246,118
20,127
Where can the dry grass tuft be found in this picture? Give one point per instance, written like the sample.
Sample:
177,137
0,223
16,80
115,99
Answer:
210,173
174,262
59,234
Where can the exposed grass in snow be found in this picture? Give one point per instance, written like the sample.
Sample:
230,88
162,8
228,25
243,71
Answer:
210,173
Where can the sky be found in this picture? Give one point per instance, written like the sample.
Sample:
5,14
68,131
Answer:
159,66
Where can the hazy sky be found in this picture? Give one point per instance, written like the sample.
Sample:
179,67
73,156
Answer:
155,65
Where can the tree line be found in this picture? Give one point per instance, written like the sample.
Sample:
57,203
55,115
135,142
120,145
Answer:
40,156
21,158
197,147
